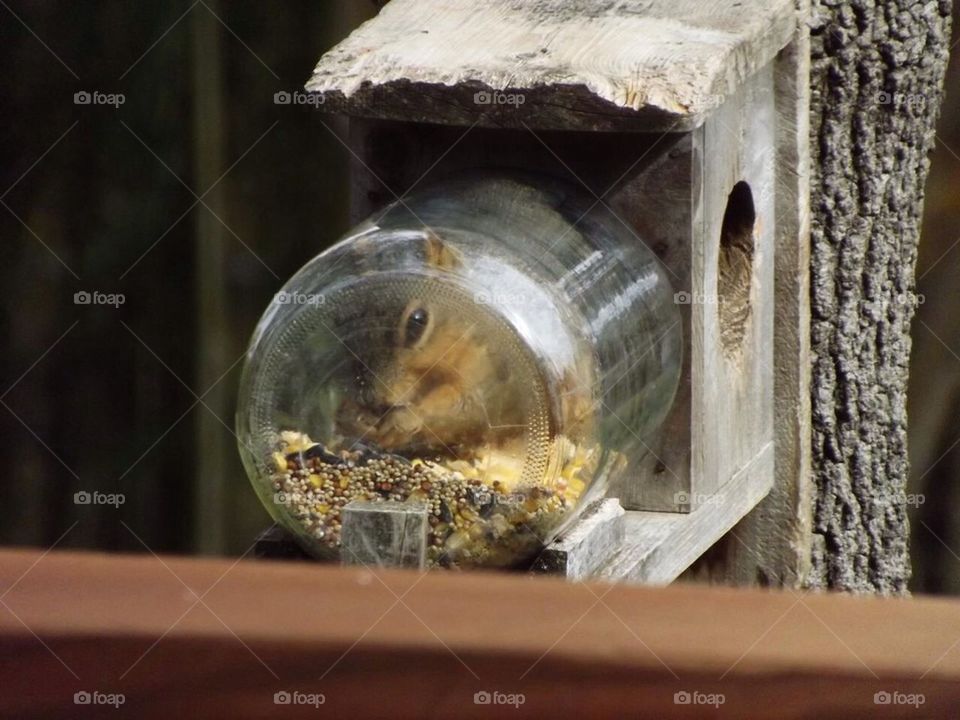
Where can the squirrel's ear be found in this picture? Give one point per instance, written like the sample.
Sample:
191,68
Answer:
438,254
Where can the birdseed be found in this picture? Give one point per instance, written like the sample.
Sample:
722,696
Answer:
477,514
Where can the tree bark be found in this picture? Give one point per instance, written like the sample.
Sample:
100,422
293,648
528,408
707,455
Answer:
876,79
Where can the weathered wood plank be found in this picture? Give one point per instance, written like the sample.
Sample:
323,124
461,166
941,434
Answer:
580,551
772,545
659,546
627,65
132,625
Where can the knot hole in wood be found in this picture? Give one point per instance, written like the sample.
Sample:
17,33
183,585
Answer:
735,268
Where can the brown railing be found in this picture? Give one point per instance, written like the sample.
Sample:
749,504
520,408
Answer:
179,638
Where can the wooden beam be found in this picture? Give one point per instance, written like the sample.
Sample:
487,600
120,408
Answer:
583,548
659,546
217,638
631,65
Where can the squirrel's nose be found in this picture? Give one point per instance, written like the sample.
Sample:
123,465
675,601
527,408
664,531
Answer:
402,419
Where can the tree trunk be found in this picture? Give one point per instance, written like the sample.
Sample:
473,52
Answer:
876,79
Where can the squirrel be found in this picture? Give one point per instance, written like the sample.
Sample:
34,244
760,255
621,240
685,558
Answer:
448,382
444,383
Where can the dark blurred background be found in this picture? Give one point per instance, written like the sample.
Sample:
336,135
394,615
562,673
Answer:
934,392
103,198
195,199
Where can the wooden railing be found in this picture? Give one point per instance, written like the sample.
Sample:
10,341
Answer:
178,638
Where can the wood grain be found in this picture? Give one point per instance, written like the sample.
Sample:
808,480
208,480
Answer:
401,644
586,546
772,545
636,64
659,546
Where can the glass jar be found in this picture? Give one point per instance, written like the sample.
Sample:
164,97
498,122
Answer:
491,352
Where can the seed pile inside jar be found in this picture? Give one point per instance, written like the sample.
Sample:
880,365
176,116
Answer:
478,513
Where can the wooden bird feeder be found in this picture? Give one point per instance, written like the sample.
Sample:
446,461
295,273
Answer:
686,120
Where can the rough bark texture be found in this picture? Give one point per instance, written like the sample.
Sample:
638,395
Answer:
877,74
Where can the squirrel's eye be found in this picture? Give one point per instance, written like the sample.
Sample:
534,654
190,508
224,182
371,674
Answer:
415,327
